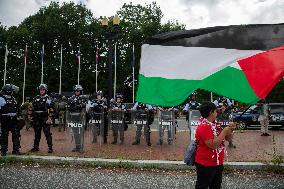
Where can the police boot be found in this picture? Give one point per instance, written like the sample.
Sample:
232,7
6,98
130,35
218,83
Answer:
50,150
34,149
148,141
94,140
136,142
76,149
105,140
160,142
114,141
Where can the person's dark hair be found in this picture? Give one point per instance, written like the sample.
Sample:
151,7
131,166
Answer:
206,108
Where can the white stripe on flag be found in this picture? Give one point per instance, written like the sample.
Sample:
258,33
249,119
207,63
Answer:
190,63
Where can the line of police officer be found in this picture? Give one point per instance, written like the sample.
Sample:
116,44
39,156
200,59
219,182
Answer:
41,114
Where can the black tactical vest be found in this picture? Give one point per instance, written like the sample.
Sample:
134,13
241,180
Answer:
11,105
40,103
75,103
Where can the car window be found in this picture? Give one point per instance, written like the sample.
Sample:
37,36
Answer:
277,109
253,109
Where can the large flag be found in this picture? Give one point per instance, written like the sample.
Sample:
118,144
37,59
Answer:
240,62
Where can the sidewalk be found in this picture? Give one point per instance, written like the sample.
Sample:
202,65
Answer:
251,147
253,151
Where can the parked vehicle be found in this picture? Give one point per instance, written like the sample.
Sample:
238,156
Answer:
250,117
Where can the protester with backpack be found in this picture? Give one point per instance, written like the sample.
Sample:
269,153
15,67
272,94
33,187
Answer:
209,157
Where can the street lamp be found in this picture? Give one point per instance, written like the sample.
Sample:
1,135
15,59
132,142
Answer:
110,34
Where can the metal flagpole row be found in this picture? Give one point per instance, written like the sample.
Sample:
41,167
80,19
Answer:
79,62
133,82
60,70
114,85
42,56
97,61
6,60
25,67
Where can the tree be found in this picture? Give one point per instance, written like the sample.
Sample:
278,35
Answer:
74,27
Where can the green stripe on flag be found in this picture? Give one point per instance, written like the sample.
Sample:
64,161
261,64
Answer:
229,82
164,92
171,92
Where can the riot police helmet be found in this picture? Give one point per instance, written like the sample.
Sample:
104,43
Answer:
77,88
42,86
117,96
8,89
100,93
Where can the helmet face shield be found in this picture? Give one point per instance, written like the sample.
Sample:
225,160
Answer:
42,86
10,88
78,88
15,89
119,96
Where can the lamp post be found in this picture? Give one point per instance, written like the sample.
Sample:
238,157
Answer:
110,33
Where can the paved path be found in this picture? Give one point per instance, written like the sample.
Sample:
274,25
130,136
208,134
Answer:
37,177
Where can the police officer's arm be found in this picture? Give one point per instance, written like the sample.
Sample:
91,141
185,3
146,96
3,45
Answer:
185,109
135,106
2,103
88,106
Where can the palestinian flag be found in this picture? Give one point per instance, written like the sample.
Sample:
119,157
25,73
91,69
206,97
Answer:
243,63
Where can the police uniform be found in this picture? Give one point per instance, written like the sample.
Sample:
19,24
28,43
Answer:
117,121
76,105
43,109
222,100
61,108
9,109
142,114
96,110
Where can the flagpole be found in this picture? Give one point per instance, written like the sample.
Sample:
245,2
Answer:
114,86
211,96
42,63
25,67
133,74
79,62
60,69
97,61
6,60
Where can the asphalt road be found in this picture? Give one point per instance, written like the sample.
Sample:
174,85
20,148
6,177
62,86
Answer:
38,177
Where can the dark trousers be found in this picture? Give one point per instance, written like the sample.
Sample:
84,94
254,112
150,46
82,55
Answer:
209,176
118,128
146,132
6,126
38,125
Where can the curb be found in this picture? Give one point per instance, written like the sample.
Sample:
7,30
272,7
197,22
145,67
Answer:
155,164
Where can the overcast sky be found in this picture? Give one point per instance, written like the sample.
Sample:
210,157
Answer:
192,13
